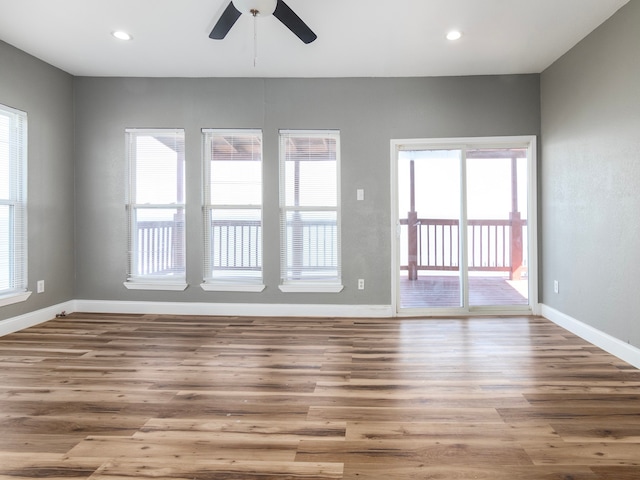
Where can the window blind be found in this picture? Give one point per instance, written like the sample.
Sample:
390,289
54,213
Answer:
310,206
156,205
13,201
232,205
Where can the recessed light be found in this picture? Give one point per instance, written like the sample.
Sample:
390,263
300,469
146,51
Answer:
120,35
454,35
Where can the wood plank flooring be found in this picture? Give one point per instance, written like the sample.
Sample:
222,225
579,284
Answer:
111,397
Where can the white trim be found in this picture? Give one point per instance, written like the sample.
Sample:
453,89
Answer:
460,312
612,345
532,225
228,281
463,231
17,201
12,298
232,287
154,131
250,131
132,138
170,287
288,283
311,287
309,133
466,142
395,227
235,309
30,319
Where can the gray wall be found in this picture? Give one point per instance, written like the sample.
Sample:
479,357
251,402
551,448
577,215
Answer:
46,94
587,105
368,112
590,178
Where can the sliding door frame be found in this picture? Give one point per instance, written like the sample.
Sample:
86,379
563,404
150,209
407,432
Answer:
526,141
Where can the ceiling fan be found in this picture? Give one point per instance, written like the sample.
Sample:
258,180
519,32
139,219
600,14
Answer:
257,8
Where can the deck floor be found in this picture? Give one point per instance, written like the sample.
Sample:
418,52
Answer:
430,291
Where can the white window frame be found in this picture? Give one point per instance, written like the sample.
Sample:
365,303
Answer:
135,280
233,282
16,200
311,284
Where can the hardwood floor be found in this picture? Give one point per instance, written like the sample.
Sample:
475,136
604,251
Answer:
132,396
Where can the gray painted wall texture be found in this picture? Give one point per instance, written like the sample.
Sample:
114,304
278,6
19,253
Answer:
77,228
368,113
46,94
590,177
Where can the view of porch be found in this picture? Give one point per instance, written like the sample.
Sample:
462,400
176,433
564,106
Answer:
496,259
433,281
490,247
440,291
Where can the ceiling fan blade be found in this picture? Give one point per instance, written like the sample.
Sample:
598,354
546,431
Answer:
293,22
226,21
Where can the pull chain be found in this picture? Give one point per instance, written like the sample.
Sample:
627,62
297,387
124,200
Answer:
255,13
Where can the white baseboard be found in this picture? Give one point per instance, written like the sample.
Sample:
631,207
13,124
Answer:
30,319
614,346
234,309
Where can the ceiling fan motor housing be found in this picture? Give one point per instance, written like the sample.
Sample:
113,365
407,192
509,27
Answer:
263,7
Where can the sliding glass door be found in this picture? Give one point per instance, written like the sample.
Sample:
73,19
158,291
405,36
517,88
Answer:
462,214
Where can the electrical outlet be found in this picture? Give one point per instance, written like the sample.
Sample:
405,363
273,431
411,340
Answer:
40,286
361,284
360,194
556,286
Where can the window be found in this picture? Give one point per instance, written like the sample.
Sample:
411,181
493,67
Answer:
156,209
13,206
232,210
310,211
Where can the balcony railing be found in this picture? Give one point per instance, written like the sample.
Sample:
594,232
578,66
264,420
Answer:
311,248
159,251
159,248
234,245
493,245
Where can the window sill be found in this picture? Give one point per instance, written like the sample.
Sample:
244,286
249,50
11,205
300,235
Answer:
311,288
12,298
230,287
174,287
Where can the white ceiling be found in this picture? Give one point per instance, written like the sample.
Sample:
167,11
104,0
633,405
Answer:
356,38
